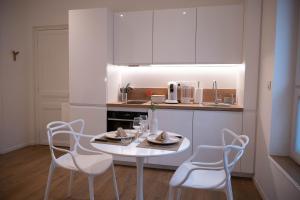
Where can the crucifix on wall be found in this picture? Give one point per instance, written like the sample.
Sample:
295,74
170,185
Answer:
15,53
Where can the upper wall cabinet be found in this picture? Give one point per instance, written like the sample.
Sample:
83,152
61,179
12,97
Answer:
133,37
174,36
220,34
90,42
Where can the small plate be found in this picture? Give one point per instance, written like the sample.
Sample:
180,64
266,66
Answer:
170,140
113,135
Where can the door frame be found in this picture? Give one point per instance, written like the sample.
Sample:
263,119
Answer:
36,100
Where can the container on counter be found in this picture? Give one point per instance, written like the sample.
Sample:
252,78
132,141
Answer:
198,94
187,93
158,98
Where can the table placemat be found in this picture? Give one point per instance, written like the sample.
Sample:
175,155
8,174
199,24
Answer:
105,140
169,147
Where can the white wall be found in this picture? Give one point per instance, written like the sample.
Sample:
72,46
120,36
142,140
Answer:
14,91
262,164
284,76
271,181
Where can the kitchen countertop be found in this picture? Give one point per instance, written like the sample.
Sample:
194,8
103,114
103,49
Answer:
179,106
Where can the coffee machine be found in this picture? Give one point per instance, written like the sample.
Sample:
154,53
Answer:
172,92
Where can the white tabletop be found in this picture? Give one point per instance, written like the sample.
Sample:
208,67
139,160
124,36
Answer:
133,151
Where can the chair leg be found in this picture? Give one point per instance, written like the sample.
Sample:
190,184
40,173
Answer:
178,194
91,187
229,194
115,182
72,173
51,170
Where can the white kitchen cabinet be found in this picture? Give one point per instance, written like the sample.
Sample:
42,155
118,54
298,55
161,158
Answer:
90,49
178,121
94,118
174,36
207,126
249,129
133,37
219,36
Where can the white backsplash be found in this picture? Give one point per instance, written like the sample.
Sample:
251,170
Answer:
228,77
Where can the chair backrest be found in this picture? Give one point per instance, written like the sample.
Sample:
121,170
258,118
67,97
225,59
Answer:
60,127
234,147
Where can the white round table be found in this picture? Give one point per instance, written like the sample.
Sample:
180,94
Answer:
139,153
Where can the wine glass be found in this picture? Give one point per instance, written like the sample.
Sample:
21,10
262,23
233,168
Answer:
137,123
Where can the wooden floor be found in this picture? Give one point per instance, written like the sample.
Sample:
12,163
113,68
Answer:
23,175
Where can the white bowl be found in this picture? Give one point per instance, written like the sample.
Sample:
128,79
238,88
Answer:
158,98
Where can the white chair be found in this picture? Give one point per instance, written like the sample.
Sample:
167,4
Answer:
210,175
93,163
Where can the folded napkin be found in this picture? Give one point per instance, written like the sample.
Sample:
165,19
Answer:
163,136
121,132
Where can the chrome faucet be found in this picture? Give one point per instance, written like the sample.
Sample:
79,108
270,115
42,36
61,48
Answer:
215,88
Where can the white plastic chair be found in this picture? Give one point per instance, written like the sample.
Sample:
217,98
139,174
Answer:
210,175
92,164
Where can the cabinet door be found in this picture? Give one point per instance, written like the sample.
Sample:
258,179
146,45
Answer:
177,121
219,34
174,36
207,126
133,37
94,119
89,41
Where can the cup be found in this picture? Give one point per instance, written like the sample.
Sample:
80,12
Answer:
124,97
126,140
144,123
137,124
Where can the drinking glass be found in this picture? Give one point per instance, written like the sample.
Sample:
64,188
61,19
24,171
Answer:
144,123
126,141
137,123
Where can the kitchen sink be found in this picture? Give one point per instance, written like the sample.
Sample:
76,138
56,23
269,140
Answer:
136,102
217,104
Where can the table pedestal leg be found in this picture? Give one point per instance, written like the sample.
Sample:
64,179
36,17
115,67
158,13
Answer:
139,178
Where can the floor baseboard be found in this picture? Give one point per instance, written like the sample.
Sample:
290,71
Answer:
259,189
13,148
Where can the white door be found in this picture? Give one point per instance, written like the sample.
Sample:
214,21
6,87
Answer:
51,78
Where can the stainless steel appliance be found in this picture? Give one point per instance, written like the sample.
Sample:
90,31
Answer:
172,92
124,119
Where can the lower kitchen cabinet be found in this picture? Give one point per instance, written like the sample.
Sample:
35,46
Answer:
94,118
201,128
207,126
178,121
